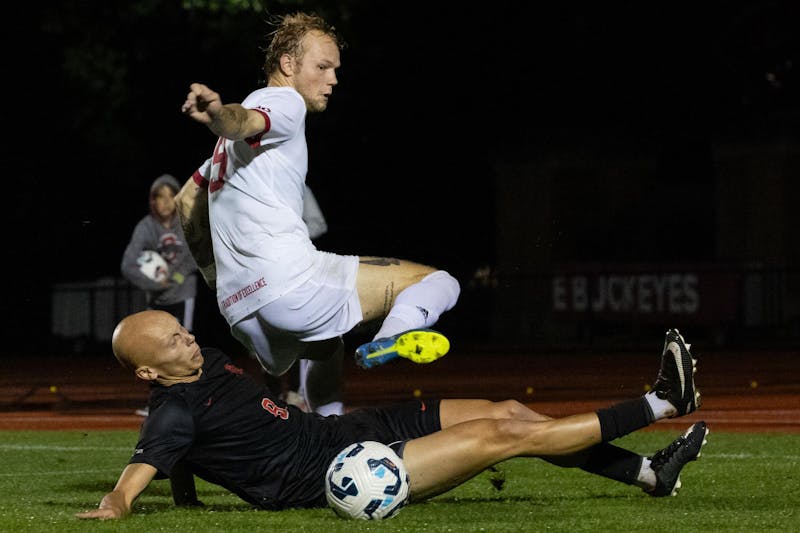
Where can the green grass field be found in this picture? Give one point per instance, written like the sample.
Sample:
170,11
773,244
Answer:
742,482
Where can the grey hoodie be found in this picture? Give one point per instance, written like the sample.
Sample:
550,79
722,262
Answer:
149,234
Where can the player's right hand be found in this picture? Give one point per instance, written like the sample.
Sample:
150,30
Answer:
202,104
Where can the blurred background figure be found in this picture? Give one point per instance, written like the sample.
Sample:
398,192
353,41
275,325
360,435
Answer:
157,259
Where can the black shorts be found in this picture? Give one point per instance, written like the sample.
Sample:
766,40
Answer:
393,426
390,425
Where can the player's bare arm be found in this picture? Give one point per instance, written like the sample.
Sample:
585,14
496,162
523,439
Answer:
192,205
231,121
119,502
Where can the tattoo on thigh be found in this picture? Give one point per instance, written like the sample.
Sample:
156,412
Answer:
380,261
388,298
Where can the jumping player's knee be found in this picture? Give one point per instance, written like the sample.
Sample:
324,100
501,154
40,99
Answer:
259,348
281,367
447,284
272,365
439,287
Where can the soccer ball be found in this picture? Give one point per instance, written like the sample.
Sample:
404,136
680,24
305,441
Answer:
367,480
152,265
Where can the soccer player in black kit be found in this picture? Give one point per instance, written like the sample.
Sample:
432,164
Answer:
236,433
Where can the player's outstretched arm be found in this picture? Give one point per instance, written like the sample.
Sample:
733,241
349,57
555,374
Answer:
119,502
231,121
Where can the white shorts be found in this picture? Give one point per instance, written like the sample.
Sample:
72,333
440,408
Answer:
324,307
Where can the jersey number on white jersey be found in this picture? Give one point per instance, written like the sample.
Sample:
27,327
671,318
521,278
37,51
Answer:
219,165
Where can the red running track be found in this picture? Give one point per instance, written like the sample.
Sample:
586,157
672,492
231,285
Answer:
742,391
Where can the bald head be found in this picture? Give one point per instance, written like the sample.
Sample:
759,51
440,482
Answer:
157,348
136,338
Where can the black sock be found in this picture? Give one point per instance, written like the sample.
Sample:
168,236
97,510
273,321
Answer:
613,462
623,418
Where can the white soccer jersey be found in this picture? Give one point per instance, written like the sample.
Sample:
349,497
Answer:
255,187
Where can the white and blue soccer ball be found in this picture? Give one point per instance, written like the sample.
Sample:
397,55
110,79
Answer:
367,480
152,265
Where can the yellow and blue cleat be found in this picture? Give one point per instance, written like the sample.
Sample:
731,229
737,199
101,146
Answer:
417,345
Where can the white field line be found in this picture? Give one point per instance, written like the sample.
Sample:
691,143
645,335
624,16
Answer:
746,456
60,472
50,448
706,457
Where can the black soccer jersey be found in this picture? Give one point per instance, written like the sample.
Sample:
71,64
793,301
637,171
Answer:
236,433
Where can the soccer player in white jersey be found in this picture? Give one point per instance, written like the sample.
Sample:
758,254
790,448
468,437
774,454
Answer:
242,215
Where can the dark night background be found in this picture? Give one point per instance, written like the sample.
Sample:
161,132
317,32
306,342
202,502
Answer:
439,110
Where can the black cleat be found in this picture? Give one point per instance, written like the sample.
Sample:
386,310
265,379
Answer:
675,381
667,463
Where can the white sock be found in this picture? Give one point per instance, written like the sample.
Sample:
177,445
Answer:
303,374
646,479
321,382
401,318
333,408
421,304
661,408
